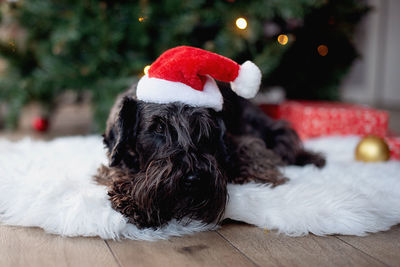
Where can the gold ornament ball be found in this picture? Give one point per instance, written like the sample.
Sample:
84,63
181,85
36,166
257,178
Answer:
372,149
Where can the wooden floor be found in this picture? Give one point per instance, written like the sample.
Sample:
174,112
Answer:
233,245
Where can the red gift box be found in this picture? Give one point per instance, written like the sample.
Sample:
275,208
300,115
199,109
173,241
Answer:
394,147
320,118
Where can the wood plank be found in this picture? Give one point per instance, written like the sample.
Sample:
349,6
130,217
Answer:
21,246
270,249
384,246
201,249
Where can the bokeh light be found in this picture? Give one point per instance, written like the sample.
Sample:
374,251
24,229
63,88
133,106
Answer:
146,70
322,50
241,23
283,39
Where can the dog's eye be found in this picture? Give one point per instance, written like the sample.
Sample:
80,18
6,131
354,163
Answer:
159,128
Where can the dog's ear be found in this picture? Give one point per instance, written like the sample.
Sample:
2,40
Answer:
123,130
221,135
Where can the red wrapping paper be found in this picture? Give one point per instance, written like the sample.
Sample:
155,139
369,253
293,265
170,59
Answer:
319,118
394,147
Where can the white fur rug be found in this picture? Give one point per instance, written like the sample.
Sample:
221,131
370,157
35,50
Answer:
49,185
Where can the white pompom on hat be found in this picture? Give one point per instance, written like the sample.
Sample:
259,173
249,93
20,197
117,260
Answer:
186,74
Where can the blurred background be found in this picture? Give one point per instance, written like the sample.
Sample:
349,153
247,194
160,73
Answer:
62,62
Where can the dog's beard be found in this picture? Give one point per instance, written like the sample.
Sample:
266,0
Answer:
158,194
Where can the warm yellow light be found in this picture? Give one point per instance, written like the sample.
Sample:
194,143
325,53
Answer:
141,19
283,39
241,23
146,70
322,50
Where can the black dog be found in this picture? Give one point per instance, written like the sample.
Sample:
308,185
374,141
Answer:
173,161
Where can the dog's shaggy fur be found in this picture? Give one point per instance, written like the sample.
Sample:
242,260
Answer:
173,161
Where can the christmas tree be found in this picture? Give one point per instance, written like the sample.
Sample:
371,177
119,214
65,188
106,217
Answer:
50,46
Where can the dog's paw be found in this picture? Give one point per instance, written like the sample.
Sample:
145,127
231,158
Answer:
319,161
305,157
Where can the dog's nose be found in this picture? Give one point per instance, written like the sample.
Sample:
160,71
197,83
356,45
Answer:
191,179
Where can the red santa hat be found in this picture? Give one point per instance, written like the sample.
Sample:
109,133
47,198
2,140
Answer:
186,74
